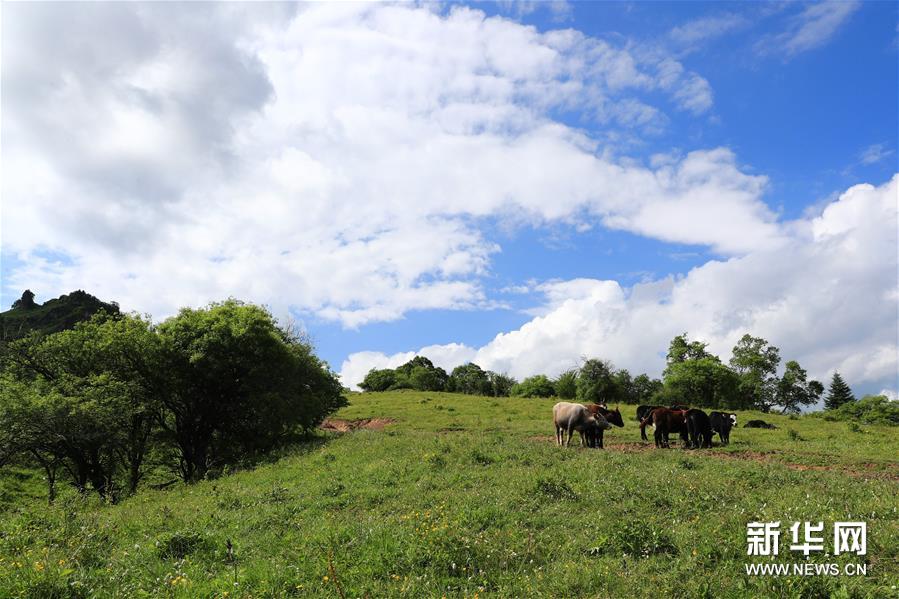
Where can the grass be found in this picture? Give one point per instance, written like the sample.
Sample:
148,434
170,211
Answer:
467,496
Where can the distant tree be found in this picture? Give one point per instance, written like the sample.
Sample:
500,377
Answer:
470,378
700,382
681,349
756,362
645,388
378,380
794,390
500,384
838,393
425,378
595,383
25,302
566,385
534,386
625,388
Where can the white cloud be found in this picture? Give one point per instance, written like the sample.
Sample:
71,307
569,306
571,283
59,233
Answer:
875,153
706,28
827,297
335,158
813,27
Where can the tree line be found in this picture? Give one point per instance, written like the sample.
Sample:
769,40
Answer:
101,404
751,379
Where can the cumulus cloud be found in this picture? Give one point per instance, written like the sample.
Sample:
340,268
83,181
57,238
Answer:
332,158
827,297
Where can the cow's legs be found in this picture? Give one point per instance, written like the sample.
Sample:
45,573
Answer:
568,442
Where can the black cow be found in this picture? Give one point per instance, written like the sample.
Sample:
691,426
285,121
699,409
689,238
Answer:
758,424
699,428
722,422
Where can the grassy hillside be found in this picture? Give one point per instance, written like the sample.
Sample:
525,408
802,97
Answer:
52,316
468,497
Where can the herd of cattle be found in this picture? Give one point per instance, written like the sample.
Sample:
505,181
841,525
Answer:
694,426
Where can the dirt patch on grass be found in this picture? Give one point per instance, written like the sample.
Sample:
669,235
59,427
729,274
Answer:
345,426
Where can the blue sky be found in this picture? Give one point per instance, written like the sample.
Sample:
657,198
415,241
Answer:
521,184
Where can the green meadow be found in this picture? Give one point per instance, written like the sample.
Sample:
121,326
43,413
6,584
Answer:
465,496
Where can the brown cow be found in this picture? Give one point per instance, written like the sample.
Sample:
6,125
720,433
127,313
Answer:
668,421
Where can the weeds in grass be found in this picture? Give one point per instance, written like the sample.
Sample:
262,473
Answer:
554,489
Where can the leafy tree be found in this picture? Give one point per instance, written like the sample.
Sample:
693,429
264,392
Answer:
645,388
378,380
26,302
794,390
702,382
566,385
85,400
534,386
625,389
424,378
238,385
470,378
838,393
595,383
681,349
500,384
756,362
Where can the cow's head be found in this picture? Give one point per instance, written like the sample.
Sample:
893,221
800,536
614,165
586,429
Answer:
614,417
600,423
733,419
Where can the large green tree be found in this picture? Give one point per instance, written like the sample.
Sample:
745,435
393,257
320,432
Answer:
238,385
756,362
645,388
596,382
794,390
838,393
700,382
470,378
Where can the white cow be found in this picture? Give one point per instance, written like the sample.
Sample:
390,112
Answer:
570,417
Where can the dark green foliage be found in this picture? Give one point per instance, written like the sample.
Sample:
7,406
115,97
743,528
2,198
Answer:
534,386
379,380
501,385
681,349
646,388
794,390
566,385
871,409
704,382
838,393
210,387
755,362
625,389
180,544
238,385
595,382
53,316
471,379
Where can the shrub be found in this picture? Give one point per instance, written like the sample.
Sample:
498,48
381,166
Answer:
871,409
534,386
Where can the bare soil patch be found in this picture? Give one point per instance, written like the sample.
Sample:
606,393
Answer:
345,426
